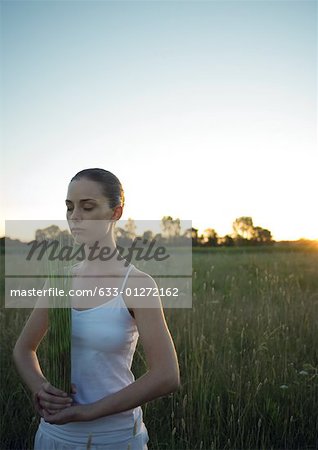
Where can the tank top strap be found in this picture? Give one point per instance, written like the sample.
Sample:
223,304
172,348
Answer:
126,276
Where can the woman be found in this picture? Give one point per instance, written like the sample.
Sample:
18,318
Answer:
104,407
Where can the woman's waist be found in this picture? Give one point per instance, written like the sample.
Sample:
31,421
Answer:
111,428
90,389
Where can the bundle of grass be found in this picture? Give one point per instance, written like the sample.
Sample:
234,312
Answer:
59,340
59,335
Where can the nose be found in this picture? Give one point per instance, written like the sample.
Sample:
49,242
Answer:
75,215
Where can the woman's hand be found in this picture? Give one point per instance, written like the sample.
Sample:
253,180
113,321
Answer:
51,400
76,413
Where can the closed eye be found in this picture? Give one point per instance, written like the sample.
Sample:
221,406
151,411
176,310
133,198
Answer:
85,209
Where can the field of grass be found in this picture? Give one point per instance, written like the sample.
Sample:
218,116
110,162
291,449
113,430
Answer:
248,355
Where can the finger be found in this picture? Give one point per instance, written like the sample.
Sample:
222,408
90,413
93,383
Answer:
40,409
53,390
51,418
54,406
51,411
37,405
44,396
45,415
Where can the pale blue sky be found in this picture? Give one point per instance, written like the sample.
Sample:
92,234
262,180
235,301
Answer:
205,110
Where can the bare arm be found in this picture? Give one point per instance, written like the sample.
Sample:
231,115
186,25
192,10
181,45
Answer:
24,352
27,363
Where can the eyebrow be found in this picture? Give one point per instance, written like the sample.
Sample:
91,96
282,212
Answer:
82,200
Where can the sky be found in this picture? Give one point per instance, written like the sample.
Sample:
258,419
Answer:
205,110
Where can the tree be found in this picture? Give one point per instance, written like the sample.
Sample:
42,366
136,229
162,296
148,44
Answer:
191,233
226,240
170,227
210,237
130,228
244,232
262,235
148,235
243,228
120,233
50,233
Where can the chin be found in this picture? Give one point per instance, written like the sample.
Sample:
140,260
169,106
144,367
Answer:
81,238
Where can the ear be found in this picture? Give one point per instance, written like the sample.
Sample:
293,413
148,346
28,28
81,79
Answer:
118,211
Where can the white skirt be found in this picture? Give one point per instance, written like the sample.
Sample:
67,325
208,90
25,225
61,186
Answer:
43,441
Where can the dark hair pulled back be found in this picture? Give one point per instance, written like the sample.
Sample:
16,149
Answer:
110,184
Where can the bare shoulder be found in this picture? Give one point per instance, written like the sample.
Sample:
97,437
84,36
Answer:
138,275
143,290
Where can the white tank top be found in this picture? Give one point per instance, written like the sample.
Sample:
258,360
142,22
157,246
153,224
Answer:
104,340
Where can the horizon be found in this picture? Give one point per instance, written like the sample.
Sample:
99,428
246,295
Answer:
31,234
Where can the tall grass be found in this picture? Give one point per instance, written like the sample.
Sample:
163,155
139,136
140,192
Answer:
248,355
58,340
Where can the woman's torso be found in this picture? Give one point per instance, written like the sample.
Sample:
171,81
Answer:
104,340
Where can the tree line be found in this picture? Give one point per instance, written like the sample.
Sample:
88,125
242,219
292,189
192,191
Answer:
243,233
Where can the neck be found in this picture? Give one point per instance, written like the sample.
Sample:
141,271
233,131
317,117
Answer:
107,242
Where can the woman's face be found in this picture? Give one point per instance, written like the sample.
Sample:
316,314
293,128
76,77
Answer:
88,213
